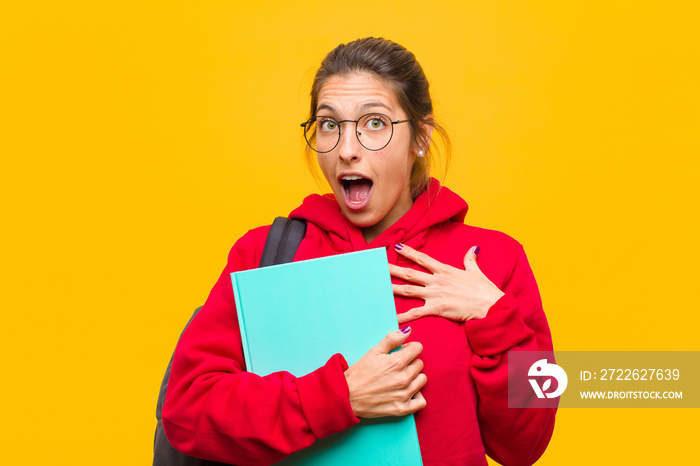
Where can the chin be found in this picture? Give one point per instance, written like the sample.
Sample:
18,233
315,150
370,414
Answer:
360,219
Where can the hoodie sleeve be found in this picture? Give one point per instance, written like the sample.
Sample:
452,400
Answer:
511,436
215,410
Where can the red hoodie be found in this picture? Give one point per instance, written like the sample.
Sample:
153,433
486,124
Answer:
215,410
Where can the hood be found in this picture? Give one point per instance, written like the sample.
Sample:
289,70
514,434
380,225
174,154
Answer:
435,205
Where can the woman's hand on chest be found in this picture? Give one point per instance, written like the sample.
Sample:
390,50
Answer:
448,292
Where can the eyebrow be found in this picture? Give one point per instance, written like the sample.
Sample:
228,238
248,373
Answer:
361,108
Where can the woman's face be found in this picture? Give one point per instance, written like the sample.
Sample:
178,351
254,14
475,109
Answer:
372,187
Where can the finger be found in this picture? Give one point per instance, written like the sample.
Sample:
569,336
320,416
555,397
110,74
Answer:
416,403
410,291
392,340
409,275
412,387
422,311
410,315
419,258
408,352
470,258
411,399
415,368
417,384
419,395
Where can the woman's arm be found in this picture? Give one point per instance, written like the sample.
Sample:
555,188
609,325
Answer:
512,436
215,410
496,321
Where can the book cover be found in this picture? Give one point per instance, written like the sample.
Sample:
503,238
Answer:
294,317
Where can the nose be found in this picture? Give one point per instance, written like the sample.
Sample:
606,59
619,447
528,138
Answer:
349,148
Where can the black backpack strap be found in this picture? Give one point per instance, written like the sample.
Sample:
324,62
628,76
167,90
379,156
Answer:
283,241
164,454
281,245
164,383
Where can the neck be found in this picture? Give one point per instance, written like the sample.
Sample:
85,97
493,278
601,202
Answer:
370,233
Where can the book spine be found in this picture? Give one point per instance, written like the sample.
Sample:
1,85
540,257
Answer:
241,322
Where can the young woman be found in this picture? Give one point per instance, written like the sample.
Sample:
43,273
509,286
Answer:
464,296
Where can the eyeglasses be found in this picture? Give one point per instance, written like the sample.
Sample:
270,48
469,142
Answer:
373,130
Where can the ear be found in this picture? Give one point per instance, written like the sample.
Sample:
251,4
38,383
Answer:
424,143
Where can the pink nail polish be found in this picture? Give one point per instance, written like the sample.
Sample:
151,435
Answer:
398,246
406,329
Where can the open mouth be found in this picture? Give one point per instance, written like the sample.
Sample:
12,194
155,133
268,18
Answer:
357,190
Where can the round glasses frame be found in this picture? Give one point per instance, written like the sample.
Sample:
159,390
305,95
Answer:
308,124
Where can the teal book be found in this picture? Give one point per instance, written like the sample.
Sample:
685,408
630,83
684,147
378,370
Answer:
294,317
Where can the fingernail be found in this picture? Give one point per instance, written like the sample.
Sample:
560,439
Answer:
398,246
476,250
406,329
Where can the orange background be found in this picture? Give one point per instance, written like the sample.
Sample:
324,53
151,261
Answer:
139,140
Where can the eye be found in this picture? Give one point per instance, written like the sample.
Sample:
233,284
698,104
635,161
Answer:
328,124
375,122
